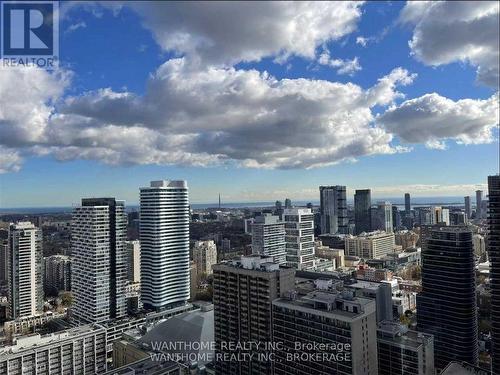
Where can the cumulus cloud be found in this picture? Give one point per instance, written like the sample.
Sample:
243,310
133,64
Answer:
348,67
432,119
231,32
246,116
10,160
210,116
450,31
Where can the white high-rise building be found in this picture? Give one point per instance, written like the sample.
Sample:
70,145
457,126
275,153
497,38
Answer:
164,235
299,237
24,270
381,217
268,237
99,268
205,256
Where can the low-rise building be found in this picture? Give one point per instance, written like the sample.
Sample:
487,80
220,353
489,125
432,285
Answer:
80,350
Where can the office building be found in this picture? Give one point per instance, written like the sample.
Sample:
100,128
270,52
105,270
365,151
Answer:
441,215
133,261
25,283
425,215
243,293
299,238
268,237
4,261
407,204
479,204
339,321
278,209
447,304
468,207
99,260
362,205
333,210
371,245
205,256
403,351
458,218
494,257
288,203
396,218
381,217
479,245
80,350
164,235
57,275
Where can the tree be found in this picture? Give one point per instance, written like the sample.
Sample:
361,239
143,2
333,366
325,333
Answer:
67,299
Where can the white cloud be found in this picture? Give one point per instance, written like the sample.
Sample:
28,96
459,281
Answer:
433,119
362,41
450,31
348,67
10,160
76,26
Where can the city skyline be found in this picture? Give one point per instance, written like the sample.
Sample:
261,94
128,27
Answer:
142,109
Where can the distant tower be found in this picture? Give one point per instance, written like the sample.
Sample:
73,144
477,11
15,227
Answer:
407,204
219,200
362,205
288,203
24,270
468,209
333,210
479,203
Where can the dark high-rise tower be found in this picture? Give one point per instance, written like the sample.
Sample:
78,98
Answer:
333,210
479,204
446,307
362,204
407,204
494,256
468,209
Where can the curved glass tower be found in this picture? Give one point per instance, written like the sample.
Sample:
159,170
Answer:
164,235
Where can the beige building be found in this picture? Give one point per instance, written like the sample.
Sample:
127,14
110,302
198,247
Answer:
406,239
204,256
338,255
371,245
479,244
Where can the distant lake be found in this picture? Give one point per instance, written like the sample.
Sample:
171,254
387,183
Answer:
415,202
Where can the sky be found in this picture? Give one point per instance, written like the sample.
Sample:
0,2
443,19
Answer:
256,101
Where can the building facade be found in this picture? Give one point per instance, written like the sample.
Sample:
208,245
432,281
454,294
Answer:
371,245
80,350
381,217
479,204
333,210
362,205
205,256
447,304
243,294
99,263
268,237
57,275
494,256
299,238
164,235
403,351
345,325
24,268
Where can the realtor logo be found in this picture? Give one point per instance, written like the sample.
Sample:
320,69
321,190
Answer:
29,33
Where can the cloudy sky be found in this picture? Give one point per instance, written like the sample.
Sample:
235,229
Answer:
257,101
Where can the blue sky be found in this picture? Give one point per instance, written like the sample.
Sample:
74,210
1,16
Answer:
187,109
